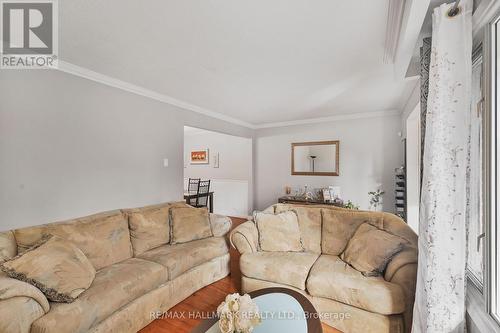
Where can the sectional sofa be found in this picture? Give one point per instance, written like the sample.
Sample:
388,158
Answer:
138,271
345,298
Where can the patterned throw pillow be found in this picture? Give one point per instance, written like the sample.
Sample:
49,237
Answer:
55,266
189,224
279,232
370,249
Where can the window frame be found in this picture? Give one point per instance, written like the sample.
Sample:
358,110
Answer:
481,302
478,56
491,79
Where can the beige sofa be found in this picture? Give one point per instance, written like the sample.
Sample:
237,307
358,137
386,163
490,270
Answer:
346,299
129,286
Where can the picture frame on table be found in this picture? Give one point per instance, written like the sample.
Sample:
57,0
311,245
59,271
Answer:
326,194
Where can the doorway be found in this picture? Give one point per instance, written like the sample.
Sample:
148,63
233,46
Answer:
226,161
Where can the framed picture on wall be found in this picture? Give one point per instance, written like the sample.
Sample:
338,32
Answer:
199,156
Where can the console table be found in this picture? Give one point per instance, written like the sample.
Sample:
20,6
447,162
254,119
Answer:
303,201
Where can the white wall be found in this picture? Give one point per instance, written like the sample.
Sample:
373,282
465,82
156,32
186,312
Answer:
235,155
411,103
231,180
71,147
413,168
231,197
370,150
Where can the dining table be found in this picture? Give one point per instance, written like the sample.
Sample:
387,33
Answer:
189,195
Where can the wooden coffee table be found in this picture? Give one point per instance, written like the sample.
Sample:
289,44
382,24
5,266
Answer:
282,310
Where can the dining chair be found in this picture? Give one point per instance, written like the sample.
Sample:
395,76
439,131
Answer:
193,184
193,187
202,194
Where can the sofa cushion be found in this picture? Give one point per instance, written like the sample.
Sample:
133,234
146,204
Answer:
114,287
104,238
278,232
179,258
150,226
370,249
309,225
56,267
332,278
340,225
289,268
188,224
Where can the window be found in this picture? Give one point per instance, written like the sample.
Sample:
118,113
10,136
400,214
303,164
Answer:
474,192
493,249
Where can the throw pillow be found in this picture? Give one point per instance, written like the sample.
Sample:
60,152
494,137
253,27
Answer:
149,226
309,225
189,224
278,232
338,227
55,266
370,249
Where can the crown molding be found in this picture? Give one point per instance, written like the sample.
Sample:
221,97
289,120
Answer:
393,29
360,115
132,88
413,19
86,73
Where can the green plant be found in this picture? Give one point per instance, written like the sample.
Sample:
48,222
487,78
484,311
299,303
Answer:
376,198
350,205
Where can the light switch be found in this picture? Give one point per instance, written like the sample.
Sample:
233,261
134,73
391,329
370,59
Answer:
165,162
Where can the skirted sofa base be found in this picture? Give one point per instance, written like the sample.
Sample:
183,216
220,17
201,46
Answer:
137,314
343,317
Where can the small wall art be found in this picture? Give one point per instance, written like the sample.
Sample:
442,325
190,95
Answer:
199,156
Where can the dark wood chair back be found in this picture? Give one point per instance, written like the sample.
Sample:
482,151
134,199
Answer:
193,184
202,197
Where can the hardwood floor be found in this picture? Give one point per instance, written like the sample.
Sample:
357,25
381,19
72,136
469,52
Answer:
204,301
235,257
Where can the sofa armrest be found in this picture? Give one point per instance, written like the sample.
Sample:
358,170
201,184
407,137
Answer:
20,305
402,270
405,257
18,313
220,224
406,278
245,238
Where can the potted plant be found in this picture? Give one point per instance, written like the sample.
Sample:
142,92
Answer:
351,205
376,199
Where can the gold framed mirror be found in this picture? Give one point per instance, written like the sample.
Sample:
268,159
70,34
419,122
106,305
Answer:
319,158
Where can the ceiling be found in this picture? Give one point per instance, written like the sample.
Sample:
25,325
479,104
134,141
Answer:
256,61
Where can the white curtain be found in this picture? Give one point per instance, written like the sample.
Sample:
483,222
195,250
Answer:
440,298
